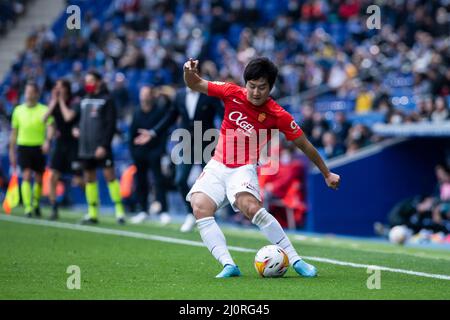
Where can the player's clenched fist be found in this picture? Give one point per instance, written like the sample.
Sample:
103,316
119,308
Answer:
191,66
333,180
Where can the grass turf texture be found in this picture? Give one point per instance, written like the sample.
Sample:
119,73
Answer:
34,259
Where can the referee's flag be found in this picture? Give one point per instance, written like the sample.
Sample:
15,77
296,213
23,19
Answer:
12,197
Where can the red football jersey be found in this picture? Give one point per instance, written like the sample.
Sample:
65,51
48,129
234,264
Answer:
247,128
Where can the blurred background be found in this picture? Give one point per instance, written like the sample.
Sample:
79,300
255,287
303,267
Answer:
373,101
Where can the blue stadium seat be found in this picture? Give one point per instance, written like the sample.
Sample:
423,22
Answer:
305,28
234,34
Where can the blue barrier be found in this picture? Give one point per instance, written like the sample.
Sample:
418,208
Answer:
372,184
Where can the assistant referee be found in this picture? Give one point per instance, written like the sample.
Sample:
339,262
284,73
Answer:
32,135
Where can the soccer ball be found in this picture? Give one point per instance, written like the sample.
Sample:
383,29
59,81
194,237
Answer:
271,262
399,234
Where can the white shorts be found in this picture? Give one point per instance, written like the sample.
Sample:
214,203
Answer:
222,183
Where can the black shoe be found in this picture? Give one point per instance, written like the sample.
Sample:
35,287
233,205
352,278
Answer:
54,215
121,221
88,221
28,214
37,212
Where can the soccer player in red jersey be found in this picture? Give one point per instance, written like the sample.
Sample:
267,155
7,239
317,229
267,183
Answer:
230,176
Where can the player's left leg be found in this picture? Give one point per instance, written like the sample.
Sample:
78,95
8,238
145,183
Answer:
249,205
25,189
37,192
54,178
114,193
204,208
37,165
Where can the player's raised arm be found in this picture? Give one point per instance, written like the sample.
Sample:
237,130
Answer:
192,78
308,149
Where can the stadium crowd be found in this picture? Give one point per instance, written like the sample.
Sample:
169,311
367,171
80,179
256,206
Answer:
10,12
322,47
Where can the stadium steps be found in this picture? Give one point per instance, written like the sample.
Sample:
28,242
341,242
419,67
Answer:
38,13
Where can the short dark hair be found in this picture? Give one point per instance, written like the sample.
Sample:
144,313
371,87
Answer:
261,67
34,85
95,74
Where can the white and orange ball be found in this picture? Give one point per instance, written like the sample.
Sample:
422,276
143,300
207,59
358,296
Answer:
271,262
399,234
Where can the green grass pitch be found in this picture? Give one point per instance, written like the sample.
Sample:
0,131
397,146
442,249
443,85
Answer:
34,260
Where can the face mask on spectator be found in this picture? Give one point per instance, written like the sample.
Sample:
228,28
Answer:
396,119
89,88
356,135
146,103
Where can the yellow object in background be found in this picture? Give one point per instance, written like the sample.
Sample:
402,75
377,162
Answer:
364,102
12,197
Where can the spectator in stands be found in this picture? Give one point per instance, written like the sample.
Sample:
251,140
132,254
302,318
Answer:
76,78
441,112
331,148
341,126
10,11
148,136
397,117
314,10
381,99
352,148
348,9
132,58
424,109
219,24
120,95
360,134
422,85
338,75
364,101
307,122
320,126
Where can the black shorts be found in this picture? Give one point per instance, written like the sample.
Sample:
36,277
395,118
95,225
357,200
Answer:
31,158
64,158
92,164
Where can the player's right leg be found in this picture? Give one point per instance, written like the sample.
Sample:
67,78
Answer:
92,198
214,239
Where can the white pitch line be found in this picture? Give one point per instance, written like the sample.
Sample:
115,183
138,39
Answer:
130,234
138,235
